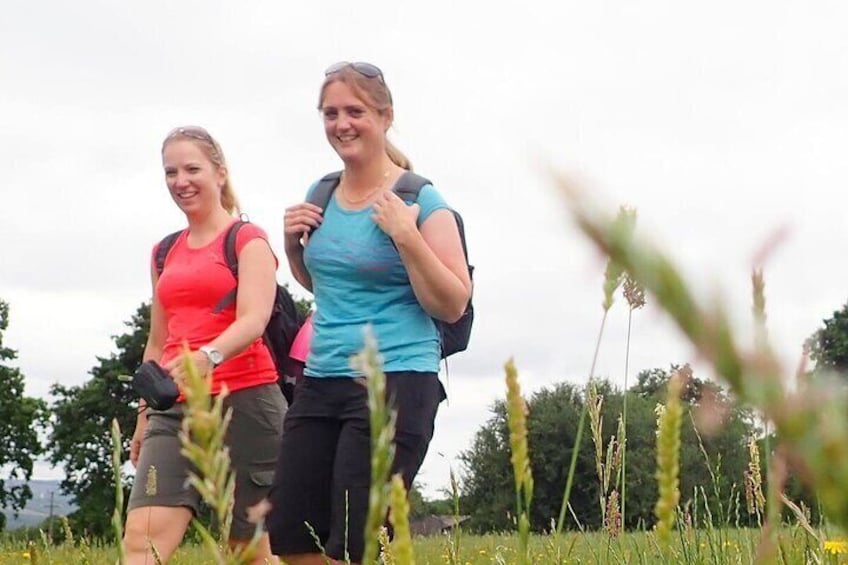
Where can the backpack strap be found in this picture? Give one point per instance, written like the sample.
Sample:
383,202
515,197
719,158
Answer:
409,185
232,262
407,188
230,247
163,249
324,190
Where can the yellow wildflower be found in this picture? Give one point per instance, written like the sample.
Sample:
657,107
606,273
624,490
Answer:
836,546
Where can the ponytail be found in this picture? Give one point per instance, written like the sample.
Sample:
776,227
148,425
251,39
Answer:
228,198
397,156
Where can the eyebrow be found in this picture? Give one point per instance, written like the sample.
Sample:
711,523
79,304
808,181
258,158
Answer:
189,164
346,107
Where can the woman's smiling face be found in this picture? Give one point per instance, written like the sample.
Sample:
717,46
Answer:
354,129
193,180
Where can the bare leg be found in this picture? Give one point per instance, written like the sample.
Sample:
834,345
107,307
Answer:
161,526
263,553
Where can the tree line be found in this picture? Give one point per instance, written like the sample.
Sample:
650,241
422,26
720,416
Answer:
73,433
716,460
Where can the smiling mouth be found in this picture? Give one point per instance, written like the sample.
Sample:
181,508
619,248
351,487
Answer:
186,194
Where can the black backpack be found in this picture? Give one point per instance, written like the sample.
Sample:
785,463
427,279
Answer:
454,337
285,319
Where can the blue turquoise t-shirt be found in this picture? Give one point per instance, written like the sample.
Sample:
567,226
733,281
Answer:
358,279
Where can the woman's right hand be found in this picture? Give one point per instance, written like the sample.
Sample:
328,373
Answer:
299,220
138,437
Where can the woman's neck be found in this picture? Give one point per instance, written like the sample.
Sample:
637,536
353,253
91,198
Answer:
363,178
204,228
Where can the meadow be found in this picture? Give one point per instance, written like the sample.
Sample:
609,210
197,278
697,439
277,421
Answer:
729,546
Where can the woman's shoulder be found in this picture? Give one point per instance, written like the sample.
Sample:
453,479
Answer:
252,229
248,232
430,199
430,192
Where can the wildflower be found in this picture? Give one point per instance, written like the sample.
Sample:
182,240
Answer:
836,546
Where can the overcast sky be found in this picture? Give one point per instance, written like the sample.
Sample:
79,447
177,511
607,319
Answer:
721,122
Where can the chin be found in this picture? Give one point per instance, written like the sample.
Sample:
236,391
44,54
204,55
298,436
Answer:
349,156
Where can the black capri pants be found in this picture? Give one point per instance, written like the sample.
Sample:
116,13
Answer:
323,474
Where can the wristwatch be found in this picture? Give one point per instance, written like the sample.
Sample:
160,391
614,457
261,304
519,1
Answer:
215,357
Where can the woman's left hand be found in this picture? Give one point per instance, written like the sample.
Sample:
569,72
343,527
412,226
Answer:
394,216
176,366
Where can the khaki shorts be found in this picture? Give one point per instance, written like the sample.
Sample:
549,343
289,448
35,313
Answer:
253,438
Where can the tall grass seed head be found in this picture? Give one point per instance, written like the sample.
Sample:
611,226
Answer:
517,419
634,292
669,420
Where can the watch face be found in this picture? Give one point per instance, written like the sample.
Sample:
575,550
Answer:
216,356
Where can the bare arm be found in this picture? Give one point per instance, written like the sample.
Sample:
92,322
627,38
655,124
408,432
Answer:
299,220
433,255
152,351
294,255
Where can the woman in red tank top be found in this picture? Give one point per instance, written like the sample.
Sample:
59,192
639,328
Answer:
225,344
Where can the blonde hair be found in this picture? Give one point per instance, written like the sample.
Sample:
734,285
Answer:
374,92
212,150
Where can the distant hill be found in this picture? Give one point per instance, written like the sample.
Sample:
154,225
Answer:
38,508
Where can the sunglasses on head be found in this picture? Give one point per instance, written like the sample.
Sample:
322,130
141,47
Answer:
365,69
194,132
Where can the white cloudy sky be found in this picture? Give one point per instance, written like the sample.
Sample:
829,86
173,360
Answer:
722,122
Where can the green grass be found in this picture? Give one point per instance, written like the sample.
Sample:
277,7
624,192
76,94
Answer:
737,546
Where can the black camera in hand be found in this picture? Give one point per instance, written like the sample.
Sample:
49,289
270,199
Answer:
155,386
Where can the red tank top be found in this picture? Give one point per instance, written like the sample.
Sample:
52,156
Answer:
192,283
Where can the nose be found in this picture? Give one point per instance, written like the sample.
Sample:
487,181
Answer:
342,121
180,179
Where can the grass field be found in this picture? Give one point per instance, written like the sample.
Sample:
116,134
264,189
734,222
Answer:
702,546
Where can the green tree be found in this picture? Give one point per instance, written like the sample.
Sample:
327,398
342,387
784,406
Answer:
420,506
81,440
488,486
22,419
487,483
713,460
829,345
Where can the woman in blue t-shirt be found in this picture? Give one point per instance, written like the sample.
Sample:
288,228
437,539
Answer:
376,260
